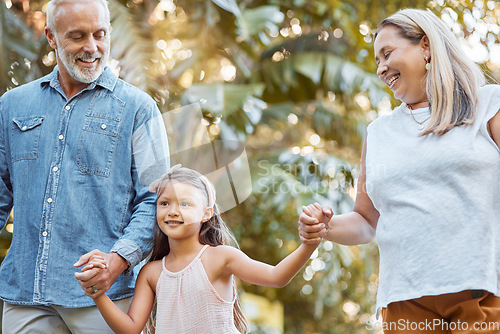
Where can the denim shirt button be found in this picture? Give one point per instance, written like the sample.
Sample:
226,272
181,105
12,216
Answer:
49,200
61,137
44,233
67,107
24,128
103,126
55,169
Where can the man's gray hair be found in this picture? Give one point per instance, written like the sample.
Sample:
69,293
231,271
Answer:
53,4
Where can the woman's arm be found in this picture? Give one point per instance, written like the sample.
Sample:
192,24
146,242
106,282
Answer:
494,128
354,228
140,308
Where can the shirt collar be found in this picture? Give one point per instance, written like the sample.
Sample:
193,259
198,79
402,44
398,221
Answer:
106,80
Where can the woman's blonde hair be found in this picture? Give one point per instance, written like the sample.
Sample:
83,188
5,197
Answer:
453,79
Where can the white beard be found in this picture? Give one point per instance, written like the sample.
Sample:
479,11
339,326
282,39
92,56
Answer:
84,75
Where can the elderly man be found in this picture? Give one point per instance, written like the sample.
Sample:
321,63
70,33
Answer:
73,151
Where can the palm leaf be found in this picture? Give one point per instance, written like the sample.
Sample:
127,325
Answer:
16,44
256,21
237,105
135,51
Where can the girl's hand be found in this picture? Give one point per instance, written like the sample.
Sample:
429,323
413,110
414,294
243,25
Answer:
95,261
98,278
322,213
314,223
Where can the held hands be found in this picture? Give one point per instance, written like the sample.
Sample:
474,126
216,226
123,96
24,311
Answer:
314,223
100,272
95,261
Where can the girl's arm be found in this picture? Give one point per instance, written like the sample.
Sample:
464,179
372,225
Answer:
354,228
240,265
140,308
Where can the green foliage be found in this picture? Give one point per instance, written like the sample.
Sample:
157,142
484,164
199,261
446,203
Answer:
134,52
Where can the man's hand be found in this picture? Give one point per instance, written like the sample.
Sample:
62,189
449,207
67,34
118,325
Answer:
314,223
100,273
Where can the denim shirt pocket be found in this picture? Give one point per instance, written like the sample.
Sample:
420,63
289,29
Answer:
99,136
25,135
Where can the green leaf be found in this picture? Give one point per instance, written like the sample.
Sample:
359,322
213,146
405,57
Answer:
135,51
261,19
221,98
310,65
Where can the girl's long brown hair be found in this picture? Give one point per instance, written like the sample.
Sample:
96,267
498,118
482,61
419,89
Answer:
214,232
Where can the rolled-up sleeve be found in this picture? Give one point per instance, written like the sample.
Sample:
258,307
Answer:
6,197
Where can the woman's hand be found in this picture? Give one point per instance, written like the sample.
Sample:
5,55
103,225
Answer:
314,222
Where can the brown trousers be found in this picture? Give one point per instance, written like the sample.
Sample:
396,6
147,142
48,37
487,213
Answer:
465,312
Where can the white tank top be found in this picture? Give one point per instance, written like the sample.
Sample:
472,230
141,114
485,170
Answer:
187,303
439,204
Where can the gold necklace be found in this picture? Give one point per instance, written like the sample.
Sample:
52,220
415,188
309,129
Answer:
420,124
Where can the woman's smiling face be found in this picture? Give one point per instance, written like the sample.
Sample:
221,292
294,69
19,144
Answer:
401,65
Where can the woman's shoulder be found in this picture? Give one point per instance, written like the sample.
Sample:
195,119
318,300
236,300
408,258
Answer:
489,93
490,88
489,101
384,119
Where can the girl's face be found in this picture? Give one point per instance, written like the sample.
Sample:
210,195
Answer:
401,66
181,209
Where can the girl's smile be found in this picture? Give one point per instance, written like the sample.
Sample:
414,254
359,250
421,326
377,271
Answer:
181,209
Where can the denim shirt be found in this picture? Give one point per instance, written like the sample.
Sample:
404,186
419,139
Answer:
68,167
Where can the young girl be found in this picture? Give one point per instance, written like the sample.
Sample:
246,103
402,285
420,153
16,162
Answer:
191,266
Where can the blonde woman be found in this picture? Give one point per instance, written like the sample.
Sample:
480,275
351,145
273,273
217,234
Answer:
429,187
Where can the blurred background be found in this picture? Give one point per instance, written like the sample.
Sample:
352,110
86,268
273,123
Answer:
294,81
